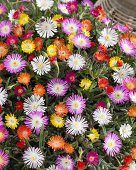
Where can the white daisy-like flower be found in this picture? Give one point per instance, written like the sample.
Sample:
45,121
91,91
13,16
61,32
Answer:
41,65
76,62
125,71
34,103
132,166
102,116
3,96
76,125
10,16
33,157
108,37
44,4
132,96
46,27
52,167
125,131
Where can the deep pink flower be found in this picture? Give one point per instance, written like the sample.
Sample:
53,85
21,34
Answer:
12,39
72,6
22,8
16,14
71,77
93,158
95,12
28,35
101,104
19,90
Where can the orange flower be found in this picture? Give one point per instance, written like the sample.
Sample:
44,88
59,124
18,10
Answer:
1,80
56,143
64,53
133,39
59,42
3,49
24,78
39,90
86,24
133,150
102,14
18,30
61,109
68,148
38,43
132,112
24,132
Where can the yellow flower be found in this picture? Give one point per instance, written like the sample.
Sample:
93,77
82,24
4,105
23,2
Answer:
57,121
85,32
23,19
94,135
113,63
71,38
70,46
28,46
56,18
11,121
51,50
85,83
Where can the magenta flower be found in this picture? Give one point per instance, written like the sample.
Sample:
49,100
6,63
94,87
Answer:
4,134
28,35
12,39
19,90
112,144
71,77
4,159
57,87
127,47
129,83
72,6
71,25
1,122
82,41
93,158
101,104
36,121
14,63
3,9
88,3
121,28
76,104
5,28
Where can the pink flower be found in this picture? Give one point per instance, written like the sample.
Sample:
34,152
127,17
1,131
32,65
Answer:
72,6
93,158
12,39
28,35
22,8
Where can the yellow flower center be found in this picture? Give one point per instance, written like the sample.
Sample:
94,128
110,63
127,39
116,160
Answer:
5,29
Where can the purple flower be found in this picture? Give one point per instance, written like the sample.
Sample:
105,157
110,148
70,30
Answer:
93,158
82,41
1,122
14,63
127,47
4,159
119,95
36,120
71,25
57,87
112,144
121,28
76,104
63,9
65,163
106,21
3,9
87,3
70,77
5,28
4,134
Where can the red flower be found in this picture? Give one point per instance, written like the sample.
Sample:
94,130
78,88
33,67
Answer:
19,90
19,105
124,168
2,66
31,57
101,104
103,83
120,63
109,89
103,48
21,144
99,56
127,159
0,109
24,132
81,165
53,59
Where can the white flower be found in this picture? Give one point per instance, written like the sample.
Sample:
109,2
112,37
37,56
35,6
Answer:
3,96
76,125
102,116
52,167
125,131
33,157
44,4
132,96
34,103
132,166
108,37
125,71
46,27
41,65
76,62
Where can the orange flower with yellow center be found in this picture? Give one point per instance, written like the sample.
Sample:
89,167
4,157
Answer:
24,78
68,148
61,109
39,90
64,53
87,25
132,112
133,150
3,49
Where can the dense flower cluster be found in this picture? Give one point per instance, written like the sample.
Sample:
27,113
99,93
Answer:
67,87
